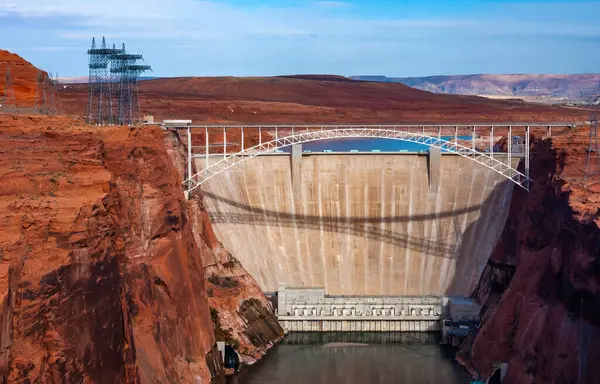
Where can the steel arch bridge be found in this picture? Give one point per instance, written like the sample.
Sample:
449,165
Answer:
485,159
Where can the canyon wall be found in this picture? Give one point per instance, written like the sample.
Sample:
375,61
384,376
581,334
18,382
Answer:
541,287
241,314
360,224
102,269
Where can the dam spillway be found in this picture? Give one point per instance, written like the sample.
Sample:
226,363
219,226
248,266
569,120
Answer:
360,224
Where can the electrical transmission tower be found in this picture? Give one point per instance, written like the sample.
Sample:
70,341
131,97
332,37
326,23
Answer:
54,86
93,57
99,93
47,101
592,164
113,85
41,104
51,94
8,95
55,107
128,70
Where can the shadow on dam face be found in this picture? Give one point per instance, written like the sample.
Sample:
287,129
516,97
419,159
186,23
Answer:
367,227
361,225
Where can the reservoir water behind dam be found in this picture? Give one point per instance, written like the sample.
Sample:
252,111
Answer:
368,145
356,358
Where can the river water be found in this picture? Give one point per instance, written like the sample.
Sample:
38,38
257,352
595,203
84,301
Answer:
326,358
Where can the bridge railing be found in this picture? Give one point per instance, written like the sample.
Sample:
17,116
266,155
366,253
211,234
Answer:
485,159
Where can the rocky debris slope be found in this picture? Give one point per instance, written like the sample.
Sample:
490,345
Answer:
241,314
101,274
541,288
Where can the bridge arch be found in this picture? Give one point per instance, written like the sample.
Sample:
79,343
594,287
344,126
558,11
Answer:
487,160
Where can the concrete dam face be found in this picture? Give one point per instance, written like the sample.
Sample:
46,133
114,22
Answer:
360,224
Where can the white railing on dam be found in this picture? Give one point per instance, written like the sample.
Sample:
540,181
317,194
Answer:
433,135
292,138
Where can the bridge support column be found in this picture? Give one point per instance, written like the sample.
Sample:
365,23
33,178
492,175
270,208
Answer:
510,164
190,171
296,168
527,157
206,150
434,159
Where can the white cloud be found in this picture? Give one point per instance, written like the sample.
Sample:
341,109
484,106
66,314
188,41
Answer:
293,38
210,20
155,18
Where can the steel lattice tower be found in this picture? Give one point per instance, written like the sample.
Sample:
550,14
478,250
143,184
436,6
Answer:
92,80
592,164
8,95
100,95
41,94
51,94
113,86
125,66
55,85
47,101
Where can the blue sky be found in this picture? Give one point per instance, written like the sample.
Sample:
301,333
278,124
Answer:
353,37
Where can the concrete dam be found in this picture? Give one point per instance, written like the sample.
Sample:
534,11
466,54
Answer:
360,224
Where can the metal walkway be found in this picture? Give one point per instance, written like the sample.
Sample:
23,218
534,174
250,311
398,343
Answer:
382,132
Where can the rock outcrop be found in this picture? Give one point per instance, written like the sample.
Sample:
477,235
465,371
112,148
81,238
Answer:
102,276
23,76
241,314
541,288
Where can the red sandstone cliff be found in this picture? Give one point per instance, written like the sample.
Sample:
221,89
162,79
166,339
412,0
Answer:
541,287
23,76
102,273
241,314
102,279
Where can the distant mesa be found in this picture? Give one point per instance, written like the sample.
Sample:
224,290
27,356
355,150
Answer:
85,79
319,99
319,77
577,88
